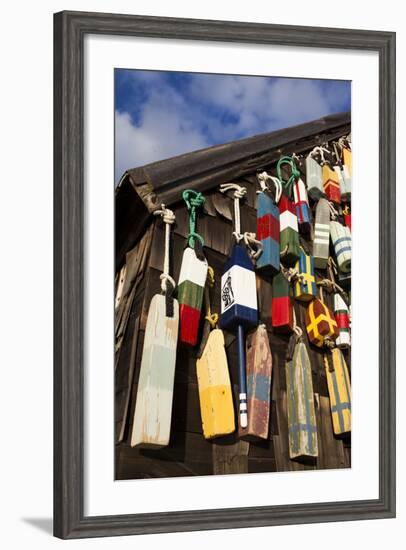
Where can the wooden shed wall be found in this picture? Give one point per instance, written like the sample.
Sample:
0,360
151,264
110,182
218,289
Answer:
189,453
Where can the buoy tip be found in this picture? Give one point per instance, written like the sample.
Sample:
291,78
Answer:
244,420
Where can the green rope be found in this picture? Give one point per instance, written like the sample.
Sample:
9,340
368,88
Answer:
294,176
193,200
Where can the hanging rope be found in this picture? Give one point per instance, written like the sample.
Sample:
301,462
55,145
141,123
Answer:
294,176
212,318
239,193
254,246
319,150
263,178
168,217
333,211
296,329
193,200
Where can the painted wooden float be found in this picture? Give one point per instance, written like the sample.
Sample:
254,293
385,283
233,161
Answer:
153,407
192,278
302,206
331,184
302,424
259,376
321,241
320,323
342,319
282,307
213,378
341,239
339,388
268,231
314,179
289,235
305,287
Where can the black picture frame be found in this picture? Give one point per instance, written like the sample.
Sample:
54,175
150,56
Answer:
70,29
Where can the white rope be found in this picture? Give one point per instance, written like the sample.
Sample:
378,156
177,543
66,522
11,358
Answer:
319,150
263,177
250,240
168,217
239,193
296,329
333,211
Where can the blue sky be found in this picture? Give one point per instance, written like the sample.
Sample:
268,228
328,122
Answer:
161,114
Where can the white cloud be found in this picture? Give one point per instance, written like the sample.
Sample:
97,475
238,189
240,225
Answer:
213,108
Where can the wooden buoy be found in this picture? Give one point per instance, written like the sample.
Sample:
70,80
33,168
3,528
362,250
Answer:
289,236
302,424
153,407
331,184
347,158
239,309
321,241
343,176
321,325
268,228
342,319
216,400
314,179
301,206
259,375
341,239
193,273
339,388
191,282
347,216
305,286
282,307
344,180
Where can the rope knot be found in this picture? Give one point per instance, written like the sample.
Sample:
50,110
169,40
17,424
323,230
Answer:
213,319
194,200
294,173
263,178
254,246
167,215
239,191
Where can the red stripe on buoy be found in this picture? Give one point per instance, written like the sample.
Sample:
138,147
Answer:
189,324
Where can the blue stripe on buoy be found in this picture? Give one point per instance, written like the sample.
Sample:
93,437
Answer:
237,315
270,254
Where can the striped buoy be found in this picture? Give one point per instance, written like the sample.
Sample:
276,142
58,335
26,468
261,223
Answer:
239,309
302,426
341,239
343,322
282,307
321,325
153,407
301,206
289,236
331,184
314,179
339,389
344,180
289,239
259,376
268,228
193,273
321,241
305,286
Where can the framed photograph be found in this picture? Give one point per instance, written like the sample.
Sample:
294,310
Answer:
224,275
